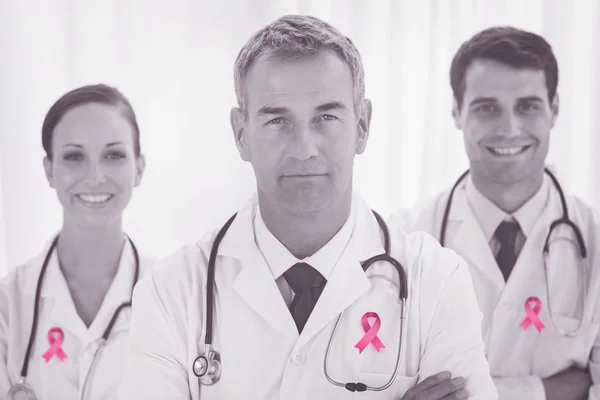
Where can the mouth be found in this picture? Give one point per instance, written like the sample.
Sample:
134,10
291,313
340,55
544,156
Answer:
304,176
94,199
505,151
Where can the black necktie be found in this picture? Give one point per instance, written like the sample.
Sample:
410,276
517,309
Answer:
307,284
506,233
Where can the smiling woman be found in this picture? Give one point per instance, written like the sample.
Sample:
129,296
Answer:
75,289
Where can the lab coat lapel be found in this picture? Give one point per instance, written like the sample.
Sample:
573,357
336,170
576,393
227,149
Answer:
56,291
347,282
530,258
255,283
119,292
470,241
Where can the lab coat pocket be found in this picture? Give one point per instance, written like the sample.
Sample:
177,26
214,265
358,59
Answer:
556,350
398,388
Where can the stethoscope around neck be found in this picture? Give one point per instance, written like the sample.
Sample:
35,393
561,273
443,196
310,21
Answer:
207,366
563,220
22,385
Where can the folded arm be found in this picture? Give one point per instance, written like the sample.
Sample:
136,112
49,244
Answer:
154,361
454,341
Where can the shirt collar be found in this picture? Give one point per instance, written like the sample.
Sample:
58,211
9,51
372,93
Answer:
490,216
55,286
279,258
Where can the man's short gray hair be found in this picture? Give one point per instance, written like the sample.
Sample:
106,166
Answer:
297,36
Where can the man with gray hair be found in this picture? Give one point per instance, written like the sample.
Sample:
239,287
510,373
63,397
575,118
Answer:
305,293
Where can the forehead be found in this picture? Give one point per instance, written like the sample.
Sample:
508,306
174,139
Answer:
299,82
93,123
488,78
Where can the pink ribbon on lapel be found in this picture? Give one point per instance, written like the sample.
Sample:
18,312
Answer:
532,314
56,337
370,335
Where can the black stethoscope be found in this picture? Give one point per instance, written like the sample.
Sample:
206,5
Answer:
22,386
207,366
564,220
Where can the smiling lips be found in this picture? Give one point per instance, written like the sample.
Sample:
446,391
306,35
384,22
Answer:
507,151
95,199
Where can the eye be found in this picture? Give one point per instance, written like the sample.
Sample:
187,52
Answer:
528,107
327,117
276,121
485,108
72,156
115,155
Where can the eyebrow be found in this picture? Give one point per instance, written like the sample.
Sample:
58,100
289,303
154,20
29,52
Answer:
531,98
81,146
333,105
480,100
266,110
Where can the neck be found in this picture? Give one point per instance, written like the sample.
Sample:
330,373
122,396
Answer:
303,235
90,252
509,197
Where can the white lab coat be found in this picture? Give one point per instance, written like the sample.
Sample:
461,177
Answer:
519,359
58,379
264,357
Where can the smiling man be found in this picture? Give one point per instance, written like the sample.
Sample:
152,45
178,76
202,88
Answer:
499,217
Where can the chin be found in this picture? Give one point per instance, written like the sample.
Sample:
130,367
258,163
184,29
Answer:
513,175
306,202
95,221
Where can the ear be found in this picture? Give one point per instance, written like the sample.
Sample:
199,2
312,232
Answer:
554,108
140,164
456,114
238,126
48,170
364,125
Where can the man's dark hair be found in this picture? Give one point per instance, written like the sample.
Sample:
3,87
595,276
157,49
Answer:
511,46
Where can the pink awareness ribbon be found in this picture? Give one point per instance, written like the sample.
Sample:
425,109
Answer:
532,314
370,333
56,337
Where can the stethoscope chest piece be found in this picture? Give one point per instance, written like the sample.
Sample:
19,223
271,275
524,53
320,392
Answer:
207,367
21,391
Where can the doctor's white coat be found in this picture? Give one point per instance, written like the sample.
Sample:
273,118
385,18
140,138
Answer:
262,354
520,358
63,379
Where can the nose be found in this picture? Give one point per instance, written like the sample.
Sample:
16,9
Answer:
95,174
304,143
510,126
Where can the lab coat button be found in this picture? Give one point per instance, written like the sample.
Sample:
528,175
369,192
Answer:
299,358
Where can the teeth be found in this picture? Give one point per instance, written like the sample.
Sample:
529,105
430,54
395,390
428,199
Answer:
95,198
508,151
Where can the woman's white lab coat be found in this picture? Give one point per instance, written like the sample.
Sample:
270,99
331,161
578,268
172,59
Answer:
264,357
519,358
58,379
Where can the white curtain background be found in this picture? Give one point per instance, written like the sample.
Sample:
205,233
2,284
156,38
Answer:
174,60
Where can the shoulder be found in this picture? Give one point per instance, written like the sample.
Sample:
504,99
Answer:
427,261
17,289
21,280
423,249
583,210
433,272
422,215
180,271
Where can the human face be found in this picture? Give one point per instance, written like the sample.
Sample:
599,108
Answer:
506,119
94,167
302,131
